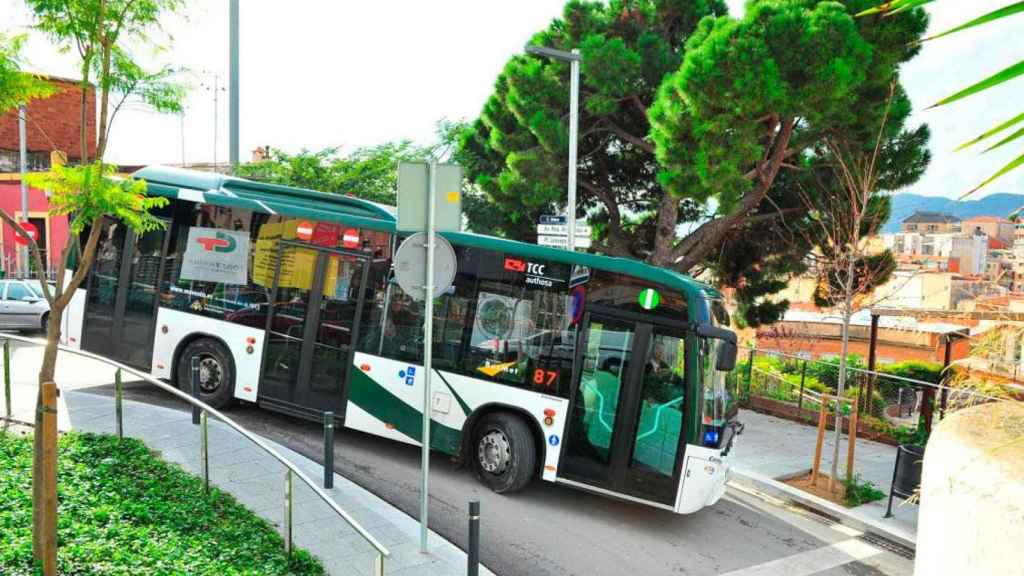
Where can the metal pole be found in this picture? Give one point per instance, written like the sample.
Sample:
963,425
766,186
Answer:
288,512
195,388
23,163
7,376
119,404
204,428
892,485
216,105
378,565
750,370
803,376
233,86
428,355
872,360
473,554
328,449
574,118
946,359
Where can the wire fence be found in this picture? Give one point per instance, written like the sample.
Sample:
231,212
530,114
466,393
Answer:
897,406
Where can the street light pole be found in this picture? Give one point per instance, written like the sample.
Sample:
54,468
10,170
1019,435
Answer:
23,167
233,87
573,58
574,119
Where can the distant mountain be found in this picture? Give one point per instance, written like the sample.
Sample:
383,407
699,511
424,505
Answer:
904,205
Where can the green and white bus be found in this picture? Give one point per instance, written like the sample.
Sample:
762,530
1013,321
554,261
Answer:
601,373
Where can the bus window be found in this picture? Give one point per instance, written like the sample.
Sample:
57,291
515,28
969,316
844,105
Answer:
504,320
635,295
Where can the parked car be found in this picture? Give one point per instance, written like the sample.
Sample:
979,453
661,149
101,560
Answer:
22,305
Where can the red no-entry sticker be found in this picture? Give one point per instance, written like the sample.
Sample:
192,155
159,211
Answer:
31,230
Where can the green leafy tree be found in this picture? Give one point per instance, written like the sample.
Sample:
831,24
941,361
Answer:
17,87
102,32
696,129
370,173
1011,72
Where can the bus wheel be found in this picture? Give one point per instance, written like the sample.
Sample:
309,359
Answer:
505,453
216,372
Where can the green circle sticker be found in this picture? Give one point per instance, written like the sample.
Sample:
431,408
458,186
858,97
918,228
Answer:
649,298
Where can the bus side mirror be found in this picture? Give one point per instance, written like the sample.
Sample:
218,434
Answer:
726,357
727,351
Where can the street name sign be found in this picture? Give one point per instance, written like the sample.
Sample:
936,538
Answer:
563,241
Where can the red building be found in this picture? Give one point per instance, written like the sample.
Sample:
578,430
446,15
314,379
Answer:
53,128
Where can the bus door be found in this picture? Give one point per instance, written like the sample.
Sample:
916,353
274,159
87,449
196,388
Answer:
626,423
121,297
312,328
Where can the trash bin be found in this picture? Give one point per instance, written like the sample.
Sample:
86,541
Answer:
906,474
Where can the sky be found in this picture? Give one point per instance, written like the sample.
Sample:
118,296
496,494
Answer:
324,73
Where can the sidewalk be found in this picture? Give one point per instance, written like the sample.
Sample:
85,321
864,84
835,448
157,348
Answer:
237,466
773,449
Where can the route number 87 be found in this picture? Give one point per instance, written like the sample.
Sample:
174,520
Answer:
543,377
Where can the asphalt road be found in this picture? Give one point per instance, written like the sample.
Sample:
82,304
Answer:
550,529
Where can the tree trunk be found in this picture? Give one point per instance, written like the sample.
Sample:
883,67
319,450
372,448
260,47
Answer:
44,461
844,350
665,232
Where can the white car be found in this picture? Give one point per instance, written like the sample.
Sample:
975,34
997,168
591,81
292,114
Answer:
22,305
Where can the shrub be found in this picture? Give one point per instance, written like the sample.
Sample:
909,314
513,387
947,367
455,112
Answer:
827,371
859,491
124,511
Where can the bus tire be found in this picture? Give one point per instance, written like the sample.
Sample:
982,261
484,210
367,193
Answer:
504,452
216,371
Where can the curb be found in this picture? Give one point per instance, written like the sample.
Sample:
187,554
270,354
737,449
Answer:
747,480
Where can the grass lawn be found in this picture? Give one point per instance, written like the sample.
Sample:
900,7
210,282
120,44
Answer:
124,511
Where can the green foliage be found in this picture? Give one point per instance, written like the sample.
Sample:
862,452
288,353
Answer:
370,173
681,108
859,491
124,511
827,371
17,87
1011,72
85,193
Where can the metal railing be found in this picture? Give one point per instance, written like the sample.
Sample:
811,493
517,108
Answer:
201,411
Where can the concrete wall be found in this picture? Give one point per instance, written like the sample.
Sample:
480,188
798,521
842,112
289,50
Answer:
972,494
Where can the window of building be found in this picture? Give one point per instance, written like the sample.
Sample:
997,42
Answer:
10,161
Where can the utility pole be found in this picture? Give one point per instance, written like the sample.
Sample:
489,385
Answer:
233,88
23,160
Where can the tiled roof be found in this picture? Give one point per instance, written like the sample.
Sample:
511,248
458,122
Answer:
925,217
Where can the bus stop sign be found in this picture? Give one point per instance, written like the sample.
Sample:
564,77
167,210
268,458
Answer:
411,265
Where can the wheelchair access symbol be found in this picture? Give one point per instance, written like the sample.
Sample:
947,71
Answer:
409,374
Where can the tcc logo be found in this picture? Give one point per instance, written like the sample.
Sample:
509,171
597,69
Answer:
535,269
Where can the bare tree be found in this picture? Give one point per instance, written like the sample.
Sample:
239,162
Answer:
845,210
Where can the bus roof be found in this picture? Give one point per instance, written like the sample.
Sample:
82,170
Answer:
218,189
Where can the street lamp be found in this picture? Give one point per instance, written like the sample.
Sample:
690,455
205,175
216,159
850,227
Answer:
573,58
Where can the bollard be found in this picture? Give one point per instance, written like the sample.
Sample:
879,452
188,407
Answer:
288,513
204,427
328,450
119,404
7,376
378,565
473,552
195,388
